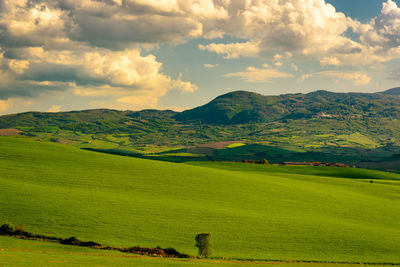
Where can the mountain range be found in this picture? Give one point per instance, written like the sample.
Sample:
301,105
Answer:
237,107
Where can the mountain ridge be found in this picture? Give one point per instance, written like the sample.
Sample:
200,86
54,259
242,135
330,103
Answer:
393,91
244,107
237,107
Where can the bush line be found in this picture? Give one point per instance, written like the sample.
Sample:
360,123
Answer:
7,230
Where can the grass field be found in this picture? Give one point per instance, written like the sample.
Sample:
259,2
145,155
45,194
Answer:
323,214
16,252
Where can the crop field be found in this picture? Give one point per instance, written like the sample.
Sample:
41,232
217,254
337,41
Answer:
252,211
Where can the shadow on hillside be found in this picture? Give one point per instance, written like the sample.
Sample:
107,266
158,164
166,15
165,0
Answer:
384,158
162,156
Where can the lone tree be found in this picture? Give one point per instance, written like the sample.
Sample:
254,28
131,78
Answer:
203,243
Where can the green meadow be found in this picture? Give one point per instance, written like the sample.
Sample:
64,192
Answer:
16,252
252,211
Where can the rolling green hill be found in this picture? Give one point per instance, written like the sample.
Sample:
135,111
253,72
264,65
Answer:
354,128
261,214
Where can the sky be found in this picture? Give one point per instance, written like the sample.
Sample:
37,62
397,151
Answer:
61,55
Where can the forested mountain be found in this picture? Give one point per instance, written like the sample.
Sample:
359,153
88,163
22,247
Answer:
243,107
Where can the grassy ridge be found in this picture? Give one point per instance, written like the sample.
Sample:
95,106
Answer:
353,173
125,201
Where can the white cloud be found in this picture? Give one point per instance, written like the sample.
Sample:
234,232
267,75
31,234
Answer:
130,77
233,50
54,108
358,78
5,105
95,47
55,45
255,75
278,58
210,66
329,61
384,30
99,72
305,77
307,27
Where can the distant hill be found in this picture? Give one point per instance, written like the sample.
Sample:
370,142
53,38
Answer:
243,107
393,91
235,107
86,121
239,107
353,128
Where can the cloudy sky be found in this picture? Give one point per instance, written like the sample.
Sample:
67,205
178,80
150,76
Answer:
59,55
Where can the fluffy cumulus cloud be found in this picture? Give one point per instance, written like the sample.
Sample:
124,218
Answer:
310,29
100,48
383,32
233,50
358,78
256,75
89,48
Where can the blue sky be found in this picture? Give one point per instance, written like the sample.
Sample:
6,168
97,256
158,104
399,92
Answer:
363,10
177,54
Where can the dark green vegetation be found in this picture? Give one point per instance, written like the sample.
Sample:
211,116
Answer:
268,212
203,243
244,107
7,230
354,128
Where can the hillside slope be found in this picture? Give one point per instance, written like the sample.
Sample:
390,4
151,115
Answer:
62,191
243,107
393,91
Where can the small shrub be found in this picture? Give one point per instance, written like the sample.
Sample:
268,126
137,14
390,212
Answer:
6,229
172,251
19,229
89,244
71,241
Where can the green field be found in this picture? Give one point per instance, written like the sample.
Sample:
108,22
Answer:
16,252
252,211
